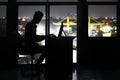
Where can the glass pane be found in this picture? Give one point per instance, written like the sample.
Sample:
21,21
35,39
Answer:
102,21
3,21
68,15
3,0
63,0
102,0
31,0
25,15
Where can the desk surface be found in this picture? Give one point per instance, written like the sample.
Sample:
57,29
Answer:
59,50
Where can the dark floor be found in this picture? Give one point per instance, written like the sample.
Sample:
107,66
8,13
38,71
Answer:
78,73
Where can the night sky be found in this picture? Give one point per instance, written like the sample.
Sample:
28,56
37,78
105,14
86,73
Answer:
31,0
57,0
68,0
3,0
103,0
63,11
29,10
2,10
58,11
102,11
49,0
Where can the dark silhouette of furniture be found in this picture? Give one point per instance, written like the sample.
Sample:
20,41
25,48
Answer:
31,67
59,57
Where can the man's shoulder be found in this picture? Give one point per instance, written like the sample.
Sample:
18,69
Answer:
29,23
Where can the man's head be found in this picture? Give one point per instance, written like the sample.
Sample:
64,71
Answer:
37,16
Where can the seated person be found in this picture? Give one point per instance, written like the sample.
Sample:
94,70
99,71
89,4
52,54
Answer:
31,38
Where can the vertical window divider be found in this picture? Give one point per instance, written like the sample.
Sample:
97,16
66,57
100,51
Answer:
47,18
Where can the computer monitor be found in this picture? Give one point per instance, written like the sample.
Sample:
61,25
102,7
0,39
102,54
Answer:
61,30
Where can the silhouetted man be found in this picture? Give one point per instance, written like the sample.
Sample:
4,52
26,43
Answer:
30,34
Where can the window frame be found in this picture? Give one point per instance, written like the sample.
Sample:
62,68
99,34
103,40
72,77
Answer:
6,6
82,5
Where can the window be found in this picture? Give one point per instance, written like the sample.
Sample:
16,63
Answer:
102,0
26,14
3,21
46,0
102,18
26,11
3,0
68,15
31,0
102,21
63,0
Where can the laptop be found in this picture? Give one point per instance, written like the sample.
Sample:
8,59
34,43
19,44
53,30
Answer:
61,30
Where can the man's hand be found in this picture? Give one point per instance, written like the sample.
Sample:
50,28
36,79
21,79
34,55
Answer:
52,35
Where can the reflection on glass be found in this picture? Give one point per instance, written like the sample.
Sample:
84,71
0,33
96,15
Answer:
25,14
102,21
102,0
31,0
3,0
3,21
63,0
67,15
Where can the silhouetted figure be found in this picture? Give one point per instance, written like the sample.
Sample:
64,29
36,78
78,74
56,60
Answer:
30,35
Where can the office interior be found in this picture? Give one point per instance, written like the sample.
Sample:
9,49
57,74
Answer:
92,56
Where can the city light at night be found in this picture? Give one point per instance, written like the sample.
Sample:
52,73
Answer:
102,21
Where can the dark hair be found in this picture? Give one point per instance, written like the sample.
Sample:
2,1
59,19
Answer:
38,14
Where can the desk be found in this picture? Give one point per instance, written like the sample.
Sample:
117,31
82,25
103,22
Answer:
59,57
59,50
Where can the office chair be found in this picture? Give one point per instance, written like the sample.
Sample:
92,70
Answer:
23,51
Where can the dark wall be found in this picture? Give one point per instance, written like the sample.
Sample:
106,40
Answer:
8,43
12,17
99,51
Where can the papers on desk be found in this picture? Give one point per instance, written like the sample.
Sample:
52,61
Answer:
41,43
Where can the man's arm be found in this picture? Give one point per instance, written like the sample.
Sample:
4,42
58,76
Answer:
40,37
43,37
